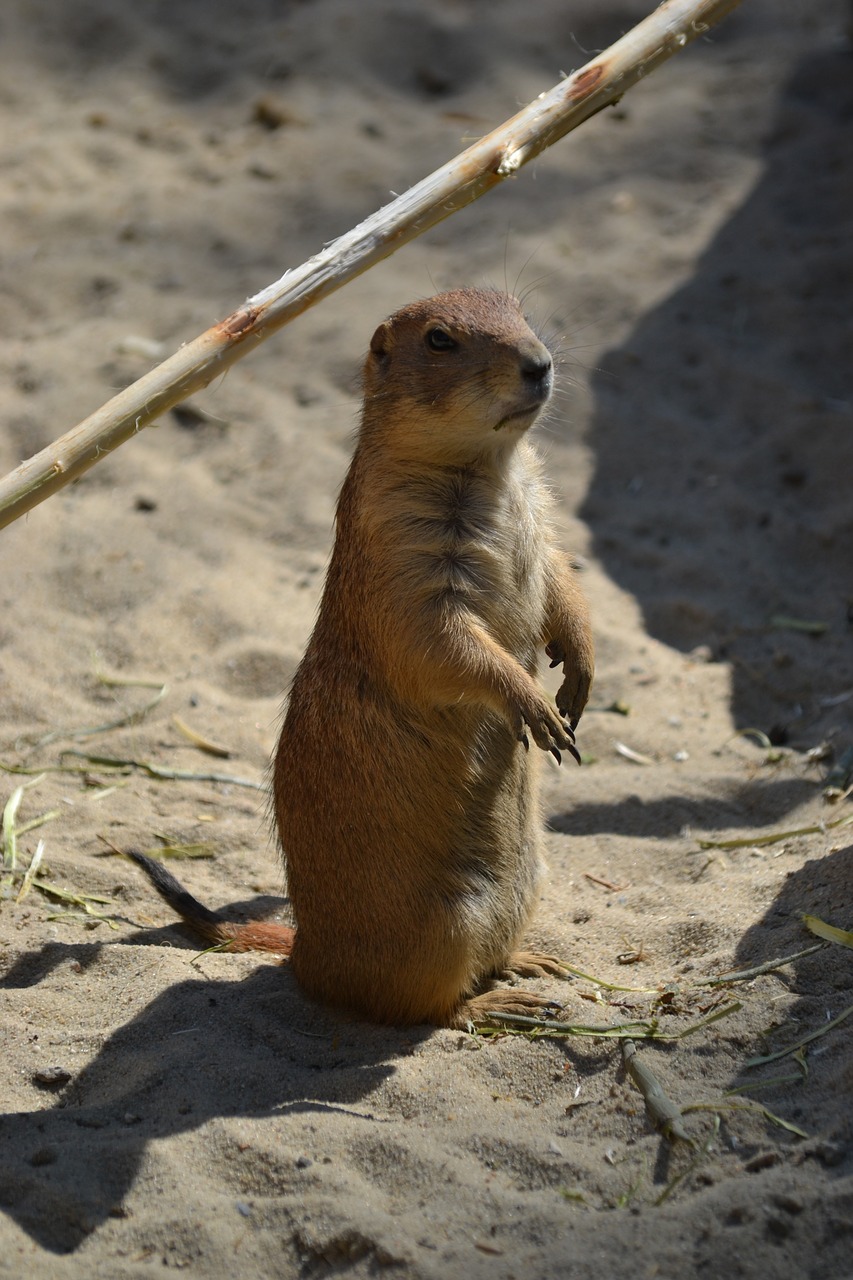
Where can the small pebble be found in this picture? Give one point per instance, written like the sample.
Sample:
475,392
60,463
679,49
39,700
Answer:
623,202
829,1153
791,1204
136,344
44,1155
272,113
764,1160
51,1077
778,1227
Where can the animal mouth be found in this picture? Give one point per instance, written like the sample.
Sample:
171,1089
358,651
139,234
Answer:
515,420
522,418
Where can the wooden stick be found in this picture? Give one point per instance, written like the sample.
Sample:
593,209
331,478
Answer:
661,1110
497,156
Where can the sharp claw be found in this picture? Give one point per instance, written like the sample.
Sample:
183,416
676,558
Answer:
525,741
569,729
555,663
573,751
555,753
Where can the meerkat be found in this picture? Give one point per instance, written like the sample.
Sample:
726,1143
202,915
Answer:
404,786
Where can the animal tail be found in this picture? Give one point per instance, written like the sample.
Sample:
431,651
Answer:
255,935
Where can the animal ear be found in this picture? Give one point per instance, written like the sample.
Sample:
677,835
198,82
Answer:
380,343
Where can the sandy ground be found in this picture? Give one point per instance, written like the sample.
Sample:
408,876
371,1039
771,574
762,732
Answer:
690,254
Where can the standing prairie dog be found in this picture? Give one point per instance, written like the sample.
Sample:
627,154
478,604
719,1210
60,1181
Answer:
405,792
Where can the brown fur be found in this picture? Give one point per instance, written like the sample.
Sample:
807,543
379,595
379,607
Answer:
405,793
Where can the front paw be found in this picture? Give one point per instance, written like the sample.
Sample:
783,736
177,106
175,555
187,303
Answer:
548,731
573,694
578,669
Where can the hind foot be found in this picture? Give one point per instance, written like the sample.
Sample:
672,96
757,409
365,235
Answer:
503,1000
532,964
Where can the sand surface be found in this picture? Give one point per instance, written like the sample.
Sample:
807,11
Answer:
690,255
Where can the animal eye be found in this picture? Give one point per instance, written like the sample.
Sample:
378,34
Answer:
439,340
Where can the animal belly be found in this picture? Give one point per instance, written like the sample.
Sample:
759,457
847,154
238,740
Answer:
498,854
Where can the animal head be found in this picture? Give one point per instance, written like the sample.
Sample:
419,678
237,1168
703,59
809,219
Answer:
458,374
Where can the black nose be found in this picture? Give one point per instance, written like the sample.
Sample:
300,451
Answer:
536,370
